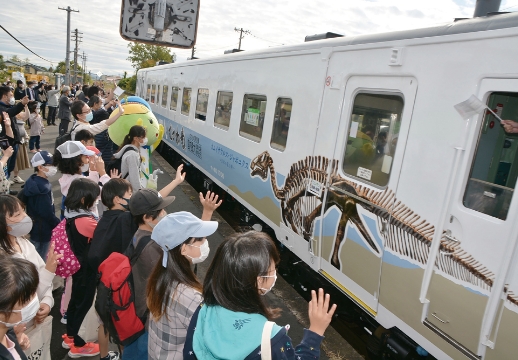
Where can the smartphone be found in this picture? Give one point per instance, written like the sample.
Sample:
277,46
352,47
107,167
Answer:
4,144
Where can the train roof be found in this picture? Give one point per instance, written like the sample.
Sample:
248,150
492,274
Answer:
460,26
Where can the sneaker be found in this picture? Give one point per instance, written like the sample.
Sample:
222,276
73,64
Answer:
64,318
33,151
89,349
18,180
112,355
68,342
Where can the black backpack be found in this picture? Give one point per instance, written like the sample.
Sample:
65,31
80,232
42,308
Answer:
117,163
63,138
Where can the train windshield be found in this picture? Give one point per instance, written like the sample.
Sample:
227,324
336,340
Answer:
494,170
373,137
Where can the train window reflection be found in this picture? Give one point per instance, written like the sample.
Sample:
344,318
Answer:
494,171
201,104
223,110
174,98
148,92
281,124
252,117
164,96
186,101
153,92
373,137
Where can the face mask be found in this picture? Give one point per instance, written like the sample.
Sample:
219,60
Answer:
85,167
144,143
89,116
52,170
126,206
204,252
12,101
28,313
266,291
21,228
152,225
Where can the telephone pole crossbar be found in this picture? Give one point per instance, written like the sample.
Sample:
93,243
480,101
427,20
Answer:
241,31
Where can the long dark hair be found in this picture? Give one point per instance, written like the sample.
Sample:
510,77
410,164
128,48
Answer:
19,282
9,205
82,194
163,282
231,280
135,131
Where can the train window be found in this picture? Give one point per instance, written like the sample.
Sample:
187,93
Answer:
165,89
186,101
148,92
174,98
281,124
223,110
373,136
201,104
252,117
153,92
494,171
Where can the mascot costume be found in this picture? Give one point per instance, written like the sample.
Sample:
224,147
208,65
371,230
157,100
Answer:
138,112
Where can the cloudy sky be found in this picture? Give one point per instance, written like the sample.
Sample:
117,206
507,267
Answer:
42,27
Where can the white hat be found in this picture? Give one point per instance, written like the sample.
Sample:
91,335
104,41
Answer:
72,149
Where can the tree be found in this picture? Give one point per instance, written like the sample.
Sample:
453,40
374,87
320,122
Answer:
60,68
2,63
144,55
15,59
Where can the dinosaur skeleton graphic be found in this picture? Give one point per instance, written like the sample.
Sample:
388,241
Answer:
404,231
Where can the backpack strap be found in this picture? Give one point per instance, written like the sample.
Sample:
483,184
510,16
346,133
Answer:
132,252
266,346
129,148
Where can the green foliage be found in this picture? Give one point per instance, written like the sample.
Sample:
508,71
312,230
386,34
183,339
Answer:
129,84
144,55
15,59
60,68
2,63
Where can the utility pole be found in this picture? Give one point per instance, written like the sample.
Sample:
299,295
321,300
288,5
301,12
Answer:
67,58
241,36
84,66
77,40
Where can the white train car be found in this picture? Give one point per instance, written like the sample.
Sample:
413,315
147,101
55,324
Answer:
352,151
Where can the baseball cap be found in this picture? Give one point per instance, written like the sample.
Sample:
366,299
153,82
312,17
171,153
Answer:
41,158
146,200
177,227
70,149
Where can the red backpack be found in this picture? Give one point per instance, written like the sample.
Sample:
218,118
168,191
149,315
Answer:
115,302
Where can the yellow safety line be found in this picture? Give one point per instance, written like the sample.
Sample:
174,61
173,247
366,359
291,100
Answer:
348,292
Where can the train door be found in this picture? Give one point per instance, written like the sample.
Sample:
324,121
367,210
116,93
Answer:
369,150
469,287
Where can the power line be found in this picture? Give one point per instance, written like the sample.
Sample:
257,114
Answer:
274,42
24,45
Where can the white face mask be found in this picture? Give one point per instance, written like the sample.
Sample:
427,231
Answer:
21,228
204,252
85,167
266,291
51,171
28,313
12,101
160,217
144,143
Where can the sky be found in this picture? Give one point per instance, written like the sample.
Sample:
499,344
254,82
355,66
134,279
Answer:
41,26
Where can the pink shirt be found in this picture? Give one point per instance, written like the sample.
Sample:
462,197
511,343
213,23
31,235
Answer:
12,350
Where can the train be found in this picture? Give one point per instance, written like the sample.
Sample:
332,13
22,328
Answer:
351,151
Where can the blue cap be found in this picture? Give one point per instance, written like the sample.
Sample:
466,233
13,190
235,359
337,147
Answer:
174,229
41,158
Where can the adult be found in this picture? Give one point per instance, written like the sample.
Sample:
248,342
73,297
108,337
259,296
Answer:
31,91
42,98
83,115
52,103
7,105
64,110
83,96
19,92
102,140
510,126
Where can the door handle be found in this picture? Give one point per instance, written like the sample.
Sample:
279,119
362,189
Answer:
438,318
449,236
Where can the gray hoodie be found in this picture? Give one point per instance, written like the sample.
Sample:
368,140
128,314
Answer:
130,165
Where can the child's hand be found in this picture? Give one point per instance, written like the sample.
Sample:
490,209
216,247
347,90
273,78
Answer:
23,340
179,176
210,201
114,174
320,315
52,259
8,152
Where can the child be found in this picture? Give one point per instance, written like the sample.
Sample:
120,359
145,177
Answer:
241,273
4,182
40,202
18,304
80,227
36,125
85,137
129,153
71,158
173,290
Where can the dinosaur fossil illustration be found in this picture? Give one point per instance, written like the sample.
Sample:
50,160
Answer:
404,231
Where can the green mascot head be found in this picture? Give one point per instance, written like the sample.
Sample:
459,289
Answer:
136,112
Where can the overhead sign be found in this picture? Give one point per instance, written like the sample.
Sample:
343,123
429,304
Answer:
171,23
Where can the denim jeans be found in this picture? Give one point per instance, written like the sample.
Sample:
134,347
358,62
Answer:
137,350
42,248
34,140
11,163
51,117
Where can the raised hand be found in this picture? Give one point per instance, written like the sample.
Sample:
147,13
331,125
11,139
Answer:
510,126
7,119
210,201
320,315
52,259
179,176
114,174
8,152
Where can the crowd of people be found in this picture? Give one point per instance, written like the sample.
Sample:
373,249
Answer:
106,210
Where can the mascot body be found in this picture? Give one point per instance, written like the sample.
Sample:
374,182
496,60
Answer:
138,112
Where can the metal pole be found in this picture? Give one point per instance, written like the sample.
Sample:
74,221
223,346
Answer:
67,57
483,7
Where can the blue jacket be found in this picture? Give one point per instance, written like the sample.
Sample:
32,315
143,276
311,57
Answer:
224,337
40,208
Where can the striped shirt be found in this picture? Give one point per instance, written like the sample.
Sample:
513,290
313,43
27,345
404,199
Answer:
167,335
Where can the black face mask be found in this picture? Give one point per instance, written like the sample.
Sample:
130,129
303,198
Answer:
125,206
